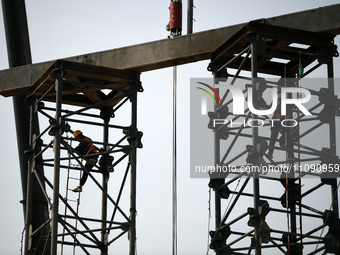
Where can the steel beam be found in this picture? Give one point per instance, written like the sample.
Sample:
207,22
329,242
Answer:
332,129
56,181
133,140
255,136
19,54
106,113
167,52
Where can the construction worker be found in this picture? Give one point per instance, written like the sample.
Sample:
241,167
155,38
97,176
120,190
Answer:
85,147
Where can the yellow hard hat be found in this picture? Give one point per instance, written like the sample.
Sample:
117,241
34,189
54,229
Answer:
76,133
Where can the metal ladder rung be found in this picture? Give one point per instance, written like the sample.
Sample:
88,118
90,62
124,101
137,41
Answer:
77,201
72,200
73,178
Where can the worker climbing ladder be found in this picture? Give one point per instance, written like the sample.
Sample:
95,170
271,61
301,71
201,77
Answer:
96,95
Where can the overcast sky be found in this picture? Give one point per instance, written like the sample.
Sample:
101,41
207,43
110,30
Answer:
66,28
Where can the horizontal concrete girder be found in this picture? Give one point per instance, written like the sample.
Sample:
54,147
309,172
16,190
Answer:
168,52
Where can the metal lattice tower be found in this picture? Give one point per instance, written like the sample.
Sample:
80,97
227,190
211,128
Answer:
95,94
256,212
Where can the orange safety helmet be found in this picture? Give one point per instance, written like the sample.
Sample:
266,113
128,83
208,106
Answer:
77,133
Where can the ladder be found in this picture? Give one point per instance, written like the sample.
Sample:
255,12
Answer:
71,197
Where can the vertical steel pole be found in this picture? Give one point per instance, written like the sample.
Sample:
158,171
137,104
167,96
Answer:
217,160
293,247
56,131
332,128
174,163
133,161
190,17
256,181
106,114
29,197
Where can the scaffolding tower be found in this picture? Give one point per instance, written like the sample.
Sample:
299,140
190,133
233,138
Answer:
81,96
256,212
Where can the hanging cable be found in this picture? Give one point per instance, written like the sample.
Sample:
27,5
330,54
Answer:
174,163
299,164
232,196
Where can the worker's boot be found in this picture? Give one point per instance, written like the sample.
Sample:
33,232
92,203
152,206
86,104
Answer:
78,189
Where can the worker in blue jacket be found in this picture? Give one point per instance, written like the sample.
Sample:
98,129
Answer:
85,147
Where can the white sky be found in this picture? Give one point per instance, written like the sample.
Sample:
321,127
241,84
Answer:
66,28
